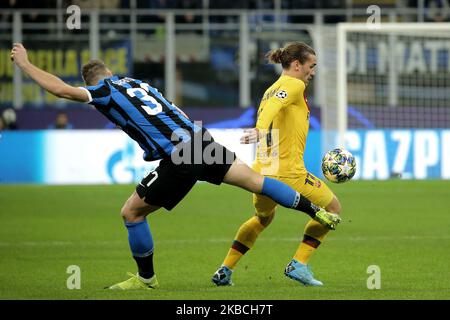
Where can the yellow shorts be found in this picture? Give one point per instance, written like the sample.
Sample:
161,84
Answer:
307,185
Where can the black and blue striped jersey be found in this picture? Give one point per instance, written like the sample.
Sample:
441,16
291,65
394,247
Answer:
142,112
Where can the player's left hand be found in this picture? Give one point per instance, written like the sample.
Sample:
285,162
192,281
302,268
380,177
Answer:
19,54
250,136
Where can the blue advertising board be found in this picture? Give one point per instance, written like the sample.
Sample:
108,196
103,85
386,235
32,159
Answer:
109,156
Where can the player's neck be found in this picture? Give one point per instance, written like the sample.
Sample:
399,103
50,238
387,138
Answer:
292,74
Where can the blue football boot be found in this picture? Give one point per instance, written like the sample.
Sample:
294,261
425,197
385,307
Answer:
302,273
222,277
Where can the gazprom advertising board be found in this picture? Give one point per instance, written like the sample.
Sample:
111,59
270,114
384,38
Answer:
410,154
109,156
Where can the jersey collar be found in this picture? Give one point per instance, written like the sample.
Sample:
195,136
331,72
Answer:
113,78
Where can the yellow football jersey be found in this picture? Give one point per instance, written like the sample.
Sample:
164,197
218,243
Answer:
283,121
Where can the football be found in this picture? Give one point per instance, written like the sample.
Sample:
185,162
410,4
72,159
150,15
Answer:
338,165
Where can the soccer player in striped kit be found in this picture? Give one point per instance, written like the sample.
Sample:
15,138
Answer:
164,132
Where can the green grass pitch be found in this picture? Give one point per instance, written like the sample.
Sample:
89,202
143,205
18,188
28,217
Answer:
401,226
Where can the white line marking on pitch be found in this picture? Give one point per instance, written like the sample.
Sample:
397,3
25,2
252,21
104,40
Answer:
214,240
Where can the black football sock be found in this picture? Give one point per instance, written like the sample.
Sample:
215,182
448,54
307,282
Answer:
145,266
306,206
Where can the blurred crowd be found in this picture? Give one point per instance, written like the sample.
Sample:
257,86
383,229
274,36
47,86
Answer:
159,4
174,4
435,10
212,4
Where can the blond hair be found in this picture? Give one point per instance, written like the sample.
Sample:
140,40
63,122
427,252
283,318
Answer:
93,71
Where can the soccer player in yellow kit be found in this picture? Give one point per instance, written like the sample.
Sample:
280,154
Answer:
281,132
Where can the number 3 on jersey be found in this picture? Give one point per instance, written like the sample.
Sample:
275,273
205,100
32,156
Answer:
143,95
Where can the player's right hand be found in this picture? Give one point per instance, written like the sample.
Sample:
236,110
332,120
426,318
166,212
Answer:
19,54
250,136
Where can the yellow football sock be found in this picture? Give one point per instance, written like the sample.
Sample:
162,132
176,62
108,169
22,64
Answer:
232,258
304,252
244,240
316,230
314,235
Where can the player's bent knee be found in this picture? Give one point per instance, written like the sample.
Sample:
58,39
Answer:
265,220
125,212
130,214
334,206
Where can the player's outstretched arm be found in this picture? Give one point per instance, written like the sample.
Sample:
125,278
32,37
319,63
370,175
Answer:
49,82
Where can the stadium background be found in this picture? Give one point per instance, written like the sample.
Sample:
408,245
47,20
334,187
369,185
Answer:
208,56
